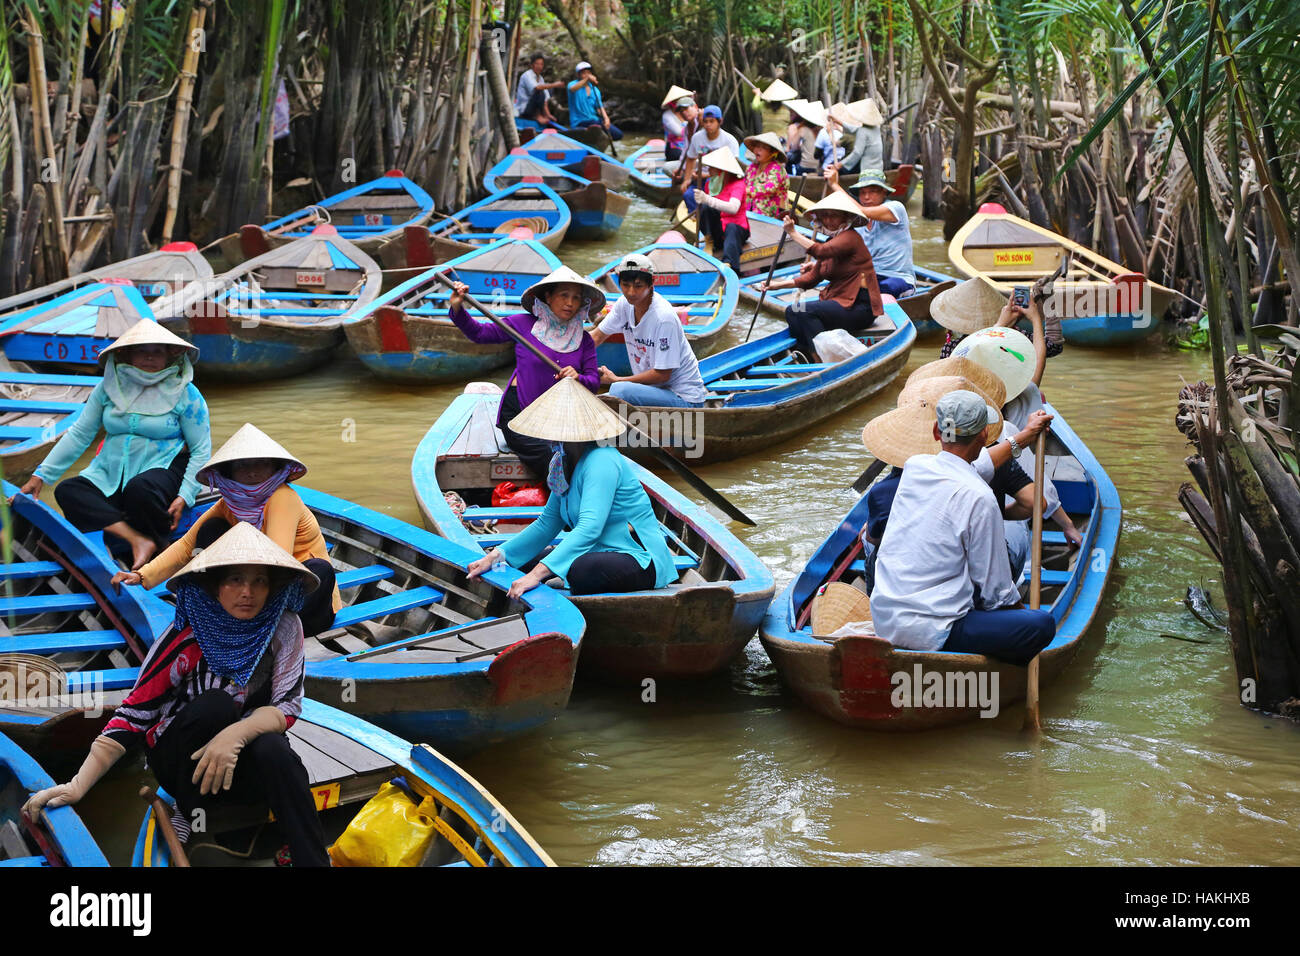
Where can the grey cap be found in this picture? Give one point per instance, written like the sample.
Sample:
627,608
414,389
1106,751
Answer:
964,414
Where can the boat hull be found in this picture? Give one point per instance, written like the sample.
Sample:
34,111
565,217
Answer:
399,348
598,212
232,352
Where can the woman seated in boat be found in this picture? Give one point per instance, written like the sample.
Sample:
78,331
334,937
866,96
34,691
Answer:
678,110
252,472
887,232
722,216
156,439
801,140
766,184
850,299
216,694
614,541
555,310
664,369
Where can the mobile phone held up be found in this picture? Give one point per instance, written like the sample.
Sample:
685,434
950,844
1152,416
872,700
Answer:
1020,296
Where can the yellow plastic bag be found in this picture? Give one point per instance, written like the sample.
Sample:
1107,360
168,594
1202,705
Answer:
390,830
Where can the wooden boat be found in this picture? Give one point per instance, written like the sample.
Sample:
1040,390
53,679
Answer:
366,216
703,290
347,760
1100,302
900,179
648,176
577,157
917,305
278,314
153,274
593,136
35,412
851,679
70,330
691,628
530,205
761,246
58,838
761,393
406,336
597,210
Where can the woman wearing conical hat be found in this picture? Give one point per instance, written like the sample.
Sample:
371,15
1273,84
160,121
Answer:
722,214
555,310
766,182
156,439
678,110
861,118
614,542
216,694
252,473
801,136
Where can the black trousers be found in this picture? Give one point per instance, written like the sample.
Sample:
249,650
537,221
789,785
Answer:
813,318
268,772
535,453
142,503
599,571
729,241
317,612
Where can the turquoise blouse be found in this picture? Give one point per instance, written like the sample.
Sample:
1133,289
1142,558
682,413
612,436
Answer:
603,500
134,443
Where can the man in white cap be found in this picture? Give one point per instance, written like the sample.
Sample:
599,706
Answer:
586,105
942,576
664,369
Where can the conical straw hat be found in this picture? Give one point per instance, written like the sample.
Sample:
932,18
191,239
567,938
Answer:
842,114
1007,353
867,112
813,111
567,411
148,332
930,390
968,306
837,202
778,91
985,382
770,140
590,290
674,94
908,430
836,605
251,442
244,544
723,159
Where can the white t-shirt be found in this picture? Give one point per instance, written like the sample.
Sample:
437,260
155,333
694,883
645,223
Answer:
701,145
658,342
528,81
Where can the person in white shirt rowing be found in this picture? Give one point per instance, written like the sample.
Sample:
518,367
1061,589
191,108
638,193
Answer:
664,369
942,577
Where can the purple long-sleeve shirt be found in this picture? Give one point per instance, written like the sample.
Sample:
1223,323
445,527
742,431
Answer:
531,376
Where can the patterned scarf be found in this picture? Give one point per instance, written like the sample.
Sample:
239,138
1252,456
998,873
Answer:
555,479
230,646
556,334
147,393
247,502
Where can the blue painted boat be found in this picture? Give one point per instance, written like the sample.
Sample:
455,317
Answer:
597,210
366,216
692,628
760,248
71,329
529,205
57,838
568,153
852,679
347,760
703,290
406,336
278,314
917,305
35,411
594,136
764,392
648,176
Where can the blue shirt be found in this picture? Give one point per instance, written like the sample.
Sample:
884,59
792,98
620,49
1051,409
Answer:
890,244
584,104
879,500
603,499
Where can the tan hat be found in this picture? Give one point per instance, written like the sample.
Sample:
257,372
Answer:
968,306
723,159
561,275
148,332
908,430
837,202
770,140
567,411
813,111
868,111
244,544
835,605
674,94
778,91
933,389
985,382
251,442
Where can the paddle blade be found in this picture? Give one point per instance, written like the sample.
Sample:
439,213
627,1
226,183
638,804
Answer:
699,484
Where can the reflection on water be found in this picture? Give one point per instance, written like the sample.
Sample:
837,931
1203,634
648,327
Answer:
1146,757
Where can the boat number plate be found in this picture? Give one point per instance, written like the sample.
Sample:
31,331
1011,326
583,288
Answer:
309,278
668,278
508,470
326,795
554,156
1013,257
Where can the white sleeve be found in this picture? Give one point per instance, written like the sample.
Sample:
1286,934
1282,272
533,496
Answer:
614,323
983,465
669,340
986,556
693,147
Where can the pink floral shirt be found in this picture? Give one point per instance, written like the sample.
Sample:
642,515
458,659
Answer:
766,189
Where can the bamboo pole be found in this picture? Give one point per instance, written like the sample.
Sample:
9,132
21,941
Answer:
472,36
181,123
44,134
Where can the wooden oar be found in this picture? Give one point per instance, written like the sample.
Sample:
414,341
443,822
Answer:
690,477
794,209
867,477
162,818
1035,579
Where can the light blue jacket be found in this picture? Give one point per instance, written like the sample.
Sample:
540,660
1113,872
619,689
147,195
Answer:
603,499
134,443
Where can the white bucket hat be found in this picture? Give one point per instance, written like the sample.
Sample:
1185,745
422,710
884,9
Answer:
568,411
564,274
1007,353
244,544
148,332
251,442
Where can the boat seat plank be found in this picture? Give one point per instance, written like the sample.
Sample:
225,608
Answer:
360,758
22,432
46,603
121,678
29,569
320,766
803,368
37,378
36,406
62,641
356,577
481,513
388,604
749,385
18,861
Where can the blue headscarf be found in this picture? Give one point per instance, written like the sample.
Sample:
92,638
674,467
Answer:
232,647
555,479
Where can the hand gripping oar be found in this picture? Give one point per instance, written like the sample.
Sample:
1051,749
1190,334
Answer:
1035,579
780,246
690,477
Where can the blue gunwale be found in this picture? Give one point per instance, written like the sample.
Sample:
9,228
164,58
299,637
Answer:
559,220
503,166
64,826
67,337
384,184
